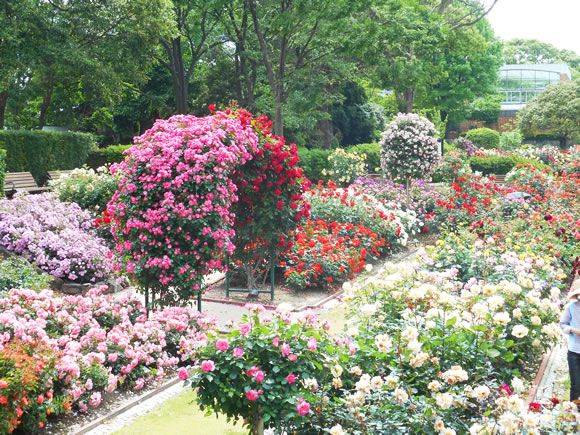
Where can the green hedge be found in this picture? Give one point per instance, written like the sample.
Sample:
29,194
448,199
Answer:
313,162
483,137
39,151
373,153
2,171
500,165
107,155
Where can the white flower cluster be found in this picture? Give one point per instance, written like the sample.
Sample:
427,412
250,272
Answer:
409,149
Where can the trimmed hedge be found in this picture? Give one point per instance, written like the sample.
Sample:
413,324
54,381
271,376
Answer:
107,155
38,151
483,137
2,171
501,165
373,153
313,162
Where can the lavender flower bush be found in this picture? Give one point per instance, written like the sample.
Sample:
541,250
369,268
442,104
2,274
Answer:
56,236
466,146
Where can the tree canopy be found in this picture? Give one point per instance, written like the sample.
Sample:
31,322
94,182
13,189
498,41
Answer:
327,72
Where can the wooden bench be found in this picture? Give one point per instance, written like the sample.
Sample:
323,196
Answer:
499,178
55,175
21,182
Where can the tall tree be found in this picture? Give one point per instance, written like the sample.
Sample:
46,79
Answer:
196,23
294,35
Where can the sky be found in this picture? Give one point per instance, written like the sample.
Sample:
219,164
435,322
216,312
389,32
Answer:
553,21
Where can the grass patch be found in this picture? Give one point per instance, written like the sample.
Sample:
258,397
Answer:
180,416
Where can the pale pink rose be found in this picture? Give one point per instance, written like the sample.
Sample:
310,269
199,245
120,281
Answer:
312,344
238,352
245,328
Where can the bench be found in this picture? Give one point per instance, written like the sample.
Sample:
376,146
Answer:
21,182
55,175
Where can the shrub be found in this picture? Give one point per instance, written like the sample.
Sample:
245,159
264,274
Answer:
2,171
107,155
510,140
54,235
89,189
38,152
500,165
313,162
483,137
451,166
16,272
409,149
372,152
328,253
345,167
466,146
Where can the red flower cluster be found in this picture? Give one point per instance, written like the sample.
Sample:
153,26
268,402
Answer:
326,252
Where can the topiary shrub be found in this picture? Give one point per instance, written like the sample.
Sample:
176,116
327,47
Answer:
105,156
2,171
409,149
38,152
510,140
483,137
372,151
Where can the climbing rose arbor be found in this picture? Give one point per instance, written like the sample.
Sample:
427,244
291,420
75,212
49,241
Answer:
195,189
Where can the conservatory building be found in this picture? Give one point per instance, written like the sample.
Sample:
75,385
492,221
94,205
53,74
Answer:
520,83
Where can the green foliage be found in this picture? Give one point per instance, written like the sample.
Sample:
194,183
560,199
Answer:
452,165
107,155
2,171
501,165
486,109
41,151
313,162
510,140
16,272
557,109
89,189
483,137
372,152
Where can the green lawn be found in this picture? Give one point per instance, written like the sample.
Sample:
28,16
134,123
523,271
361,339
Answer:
180,416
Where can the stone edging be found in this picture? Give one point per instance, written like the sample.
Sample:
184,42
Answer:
101,420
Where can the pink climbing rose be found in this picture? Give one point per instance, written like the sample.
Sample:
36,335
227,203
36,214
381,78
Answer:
222,344
291,378
253,395
183,374
303,407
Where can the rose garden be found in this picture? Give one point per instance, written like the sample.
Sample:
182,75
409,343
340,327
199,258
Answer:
445,339
283,217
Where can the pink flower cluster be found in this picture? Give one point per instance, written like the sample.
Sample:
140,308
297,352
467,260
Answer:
98,337
175,194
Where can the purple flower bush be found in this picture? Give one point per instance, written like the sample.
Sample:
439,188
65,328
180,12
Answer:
56,236
466,146
100,343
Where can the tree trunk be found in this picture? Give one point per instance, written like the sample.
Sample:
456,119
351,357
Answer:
46,100
178,74
3,101
279,117
406,100
325,126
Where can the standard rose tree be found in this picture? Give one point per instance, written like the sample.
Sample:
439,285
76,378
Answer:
266,370
409,149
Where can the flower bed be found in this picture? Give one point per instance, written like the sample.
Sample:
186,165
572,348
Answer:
60,354
56,236
445,343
